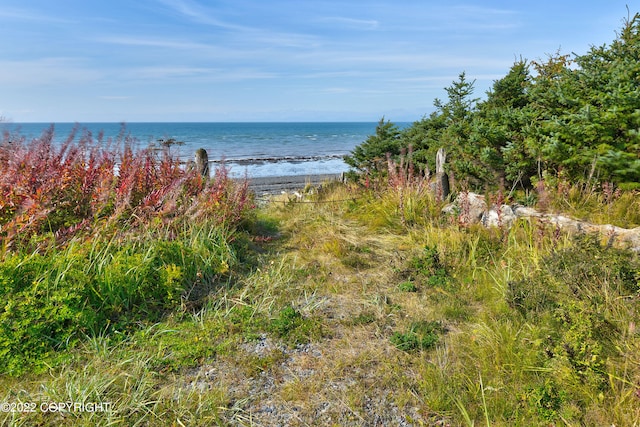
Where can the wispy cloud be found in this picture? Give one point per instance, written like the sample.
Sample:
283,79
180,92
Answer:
199,14
483,12
30,15
337,90
366,24
241,33
244,46
333,74
443,80
47,71
152,42
468,17
159,73
210,57
407,61
115,97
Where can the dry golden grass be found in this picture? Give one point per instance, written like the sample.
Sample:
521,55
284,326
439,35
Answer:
342,276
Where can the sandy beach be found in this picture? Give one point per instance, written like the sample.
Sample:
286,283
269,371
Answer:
278,184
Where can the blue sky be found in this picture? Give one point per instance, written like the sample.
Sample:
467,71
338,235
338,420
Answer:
276,60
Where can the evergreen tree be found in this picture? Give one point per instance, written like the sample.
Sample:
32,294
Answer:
578,118
498,129
458,112
590,114
370,156
425,137
605,121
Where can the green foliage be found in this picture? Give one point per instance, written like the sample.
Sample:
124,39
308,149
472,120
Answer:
544,328
53,300
498,131
370,156
581,348
187,344
294,328
602,121
44,310
449,127
88,248
587,271
576,117
547,400
408,286
421,335
530,297
427,268
575,291
425,136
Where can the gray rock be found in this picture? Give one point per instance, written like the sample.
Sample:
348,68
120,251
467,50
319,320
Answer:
502,216
468,207
626,237
471,208
632,238
525,212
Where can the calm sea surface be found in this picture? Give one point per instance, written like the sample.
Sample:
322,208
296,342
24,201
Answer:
260,149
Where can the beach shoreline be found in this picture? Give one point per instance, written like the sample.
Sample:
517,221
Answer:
270,185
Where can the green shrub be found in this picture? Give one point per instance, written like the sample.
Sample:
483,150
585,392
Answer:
587,271
428,269
187,344
530,296
370,156
53,300
408,286
43,310
420,335
294,328
546,400
583,344
585,294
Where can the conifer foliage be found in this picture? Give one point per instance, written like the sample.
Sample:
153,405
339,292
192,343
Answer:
576,117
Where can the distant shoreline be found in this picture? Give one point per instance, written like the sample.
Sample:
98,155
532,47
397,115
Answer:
262,160
279,184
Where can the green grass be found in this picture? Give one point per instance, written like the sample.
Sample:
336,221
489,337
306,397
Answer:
55,298
420,335
317,312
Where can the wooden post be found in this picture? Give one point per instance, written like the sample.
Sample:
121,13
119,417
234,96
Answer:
441,186
202,162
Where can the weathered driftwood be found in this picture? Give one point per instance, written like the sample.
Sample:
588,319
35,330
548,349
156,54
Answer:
440,185
202,162
472,208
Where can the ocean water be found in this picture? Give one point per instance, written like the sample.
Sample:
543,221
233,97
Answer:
257,149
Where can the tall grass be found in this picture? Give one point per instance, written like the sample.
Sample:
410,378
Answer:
601,203
60,189
539,324
100,235
363,307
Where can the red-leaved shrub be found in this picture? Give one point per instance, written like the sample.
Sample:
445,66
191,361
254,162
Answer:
85,181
